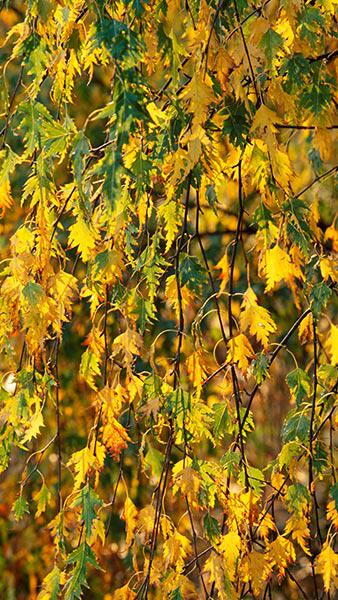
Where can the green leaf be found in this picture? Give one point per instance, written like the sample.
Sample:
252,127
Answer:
20,508
33,292
261,367
316,98
299,383
81,557
81,149
192,274
176,595
295,68
255,477
230,461
89,500
121,42
262,216
287,453
89,368
271,42
296,427
319,296
154,460
320,455
211,527
145,312
40,129
334,494
236,124
222,421
297,498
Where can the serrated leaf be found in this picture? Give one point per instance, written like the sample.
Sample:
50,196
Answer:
20,508
299,383
88,500
33,292
42,498
51,585
222,421
211,527
81,558
319,296
255,318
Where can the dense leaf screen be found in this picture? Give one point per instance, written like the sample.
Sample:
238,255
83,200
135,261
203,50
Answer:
168,269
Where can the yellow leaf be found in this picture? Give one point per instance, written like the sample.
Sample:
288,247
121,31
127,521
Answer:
327,566
42,498
175,550
329,268
171,213
146,518
281,166
114,437
98,532
172,296
332,513
333,344
124,593
186,481
266,525
50,584
200,95
196,370
230,547
160,117
255,568
240,351
10,384
6,199
265,117
298,528
332,234
277,265
36,422
130,342
255,318
219,576
305,330
82,234
83,461
223,265
284,28
281,552
129,515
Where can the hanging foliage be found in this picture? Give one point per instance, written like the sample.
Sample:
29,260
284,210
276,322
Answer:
168,339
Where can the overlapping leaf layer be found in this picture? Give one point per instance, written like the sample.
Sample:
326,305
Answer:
168,269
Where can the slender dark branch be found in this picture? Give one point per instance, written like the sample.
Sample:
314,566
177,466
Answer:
58,427
332,170
162,486
293,578
249,230
311,437
272,358
212,283
194,537
305,127
11,102
328,56
216,15
247,55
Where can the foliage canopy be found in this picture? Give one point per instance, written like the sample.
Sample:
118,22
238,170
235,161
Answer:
168,271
